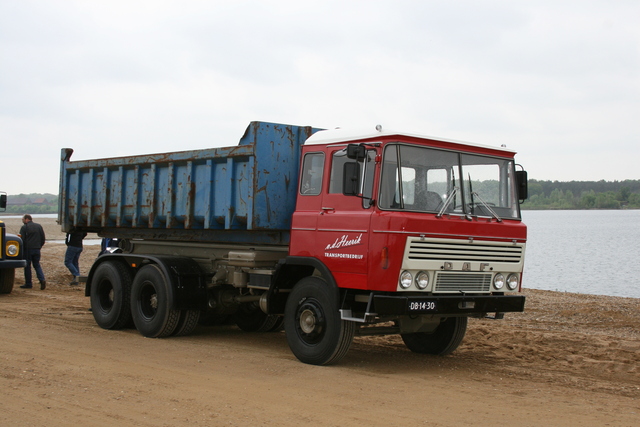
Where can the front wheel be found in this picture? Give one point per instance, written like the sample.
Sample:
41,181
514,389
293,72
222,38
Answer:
315,332
7,277
151,303
444,340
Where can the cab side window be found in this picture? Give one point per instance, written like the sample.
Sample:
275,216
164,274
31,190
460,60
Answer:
312,171
367,171
339,158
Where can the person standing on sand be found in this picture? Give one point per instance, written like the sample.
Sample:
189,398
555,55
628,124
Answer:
72,256
33,237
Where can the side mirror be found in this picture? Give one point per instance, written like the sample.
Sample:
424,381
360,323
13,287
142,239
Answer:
351,179
522,184
3,201
356,152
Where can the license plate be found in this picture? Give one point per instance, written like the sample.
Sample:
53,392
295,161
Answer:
422,306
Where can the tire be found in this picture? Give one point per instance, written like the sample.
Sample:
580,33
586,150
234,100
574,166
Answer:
7,277
250,318
187,323
110,294
315,332
151,302
444,340
279,325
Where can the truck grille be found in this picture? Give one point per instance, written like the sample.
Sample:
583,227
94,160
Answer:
463,282
465,251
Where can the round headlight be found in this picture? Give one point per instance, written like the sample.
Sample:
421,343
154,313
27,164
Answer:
498,281
512,282
405,279
422,280
12,249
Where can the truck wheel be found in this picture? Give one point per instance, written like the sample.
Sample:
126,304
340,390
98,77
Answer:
151,302
315,332
250,318
279,325
187,323
7,277
444,340
109,295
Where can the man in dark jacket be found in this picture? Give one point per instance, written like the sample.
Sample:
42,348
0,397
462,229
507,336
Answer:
72,256
33,237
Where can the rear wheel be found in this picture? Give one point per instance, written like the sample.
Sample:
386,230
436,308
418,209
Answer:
109,294
315,332
151,303
7,277
187,322
444,340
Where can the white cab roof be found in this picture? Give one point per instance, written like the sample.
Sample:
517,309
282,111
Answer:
338,135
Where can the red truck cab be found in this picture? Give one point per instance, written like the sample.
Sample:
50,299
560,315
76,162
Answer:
412,227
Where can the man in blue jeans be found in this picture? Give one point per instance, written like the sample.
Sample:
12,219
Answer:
33,238
72,256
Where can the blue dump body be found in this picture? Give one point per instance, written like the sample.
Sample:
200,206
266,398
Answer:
240,194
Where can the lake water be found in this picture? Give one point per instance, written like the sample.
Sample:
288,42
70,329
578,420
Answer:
590,252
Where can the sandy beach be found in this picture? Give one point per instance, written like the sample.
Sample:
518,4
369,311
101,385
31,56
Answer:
569,359
51,228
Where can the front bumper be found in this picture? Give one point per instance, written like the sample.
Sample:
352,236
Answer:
446,305
13,263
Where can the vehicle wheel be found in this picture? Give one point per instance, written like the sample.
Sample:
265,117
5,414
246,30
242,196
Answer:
109,295
444,340
250,318
151,301
279,325
187,323
315,332
7,277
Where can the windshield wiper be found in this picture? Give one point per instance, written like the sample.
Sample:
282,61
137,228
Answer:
486,205
448,202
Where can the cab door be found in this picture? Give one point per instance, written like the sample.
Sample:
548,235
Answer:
304,222
344,221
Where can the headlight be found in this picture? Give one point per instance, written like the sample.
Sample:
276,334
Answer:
12,248
405,279
422,280
512,282
498,281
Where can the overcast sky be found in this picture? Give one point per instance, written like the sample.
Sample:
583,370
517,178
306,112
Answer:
558,81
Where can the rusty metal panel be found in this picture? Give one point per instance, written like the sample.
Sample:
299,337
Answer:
244,193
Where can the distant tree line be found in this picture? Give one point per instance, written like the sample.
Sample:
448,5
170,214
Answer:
34,203
583,195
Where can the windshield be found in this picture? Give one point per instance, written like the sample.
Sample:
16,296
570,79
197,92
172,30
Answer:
436,180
